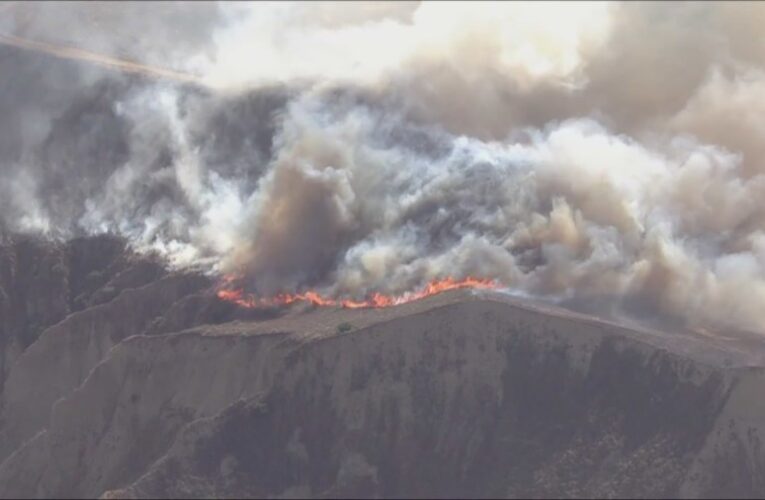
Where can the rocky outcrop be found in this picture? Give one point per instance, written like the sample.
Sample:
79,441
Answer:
457,395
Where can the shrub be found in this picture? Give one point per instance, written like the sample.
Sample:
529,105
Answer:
344,327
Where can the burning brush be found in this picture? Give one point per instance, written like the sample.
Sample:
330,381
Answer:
231,292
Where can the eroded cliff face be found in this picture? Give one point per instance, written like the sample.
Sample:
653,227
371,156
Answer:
157,389
65,353
41,282
64,306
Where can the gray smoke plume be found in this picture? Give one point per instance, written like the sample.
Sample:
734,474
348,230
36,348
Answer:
609,156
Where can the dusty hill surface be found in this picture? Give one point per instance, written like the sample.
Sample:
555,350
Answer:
122,379
43,282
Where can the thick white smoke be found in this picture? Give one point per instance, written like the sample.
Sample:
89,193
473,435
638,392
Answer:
607,155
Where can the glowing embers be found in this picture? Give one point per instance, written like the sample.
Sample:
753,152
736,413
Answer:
230,293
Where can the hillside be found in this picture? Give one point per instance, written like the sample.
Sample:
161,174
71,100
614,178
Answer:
147,386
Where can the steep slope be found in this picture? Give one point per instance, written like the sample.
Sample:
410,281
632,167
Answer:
459,394
41,282
64,305
60,360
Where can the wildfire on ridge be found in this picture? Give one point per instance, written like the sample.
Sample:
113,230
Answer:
376,300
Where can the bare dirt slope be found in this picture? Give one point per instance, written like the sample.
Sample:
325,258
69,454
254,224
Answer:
160,390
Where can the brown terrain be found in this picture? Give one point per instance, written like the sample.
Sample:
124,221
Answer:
122,379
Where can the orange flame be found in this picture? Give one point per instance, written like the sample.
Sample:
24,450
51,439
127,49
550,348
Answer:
376,300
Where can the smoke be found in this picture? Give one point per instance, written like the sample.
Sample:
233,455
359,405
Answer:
608,156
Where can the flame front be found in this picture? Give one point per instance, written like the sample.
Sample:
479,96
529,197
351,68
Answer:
376,300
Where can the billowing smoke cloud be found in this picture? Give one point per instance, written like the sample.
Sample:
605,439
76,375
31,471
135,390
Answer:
606,155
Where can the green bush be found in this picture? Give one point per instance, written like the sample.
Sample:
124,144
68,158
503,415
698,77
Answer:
344,327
